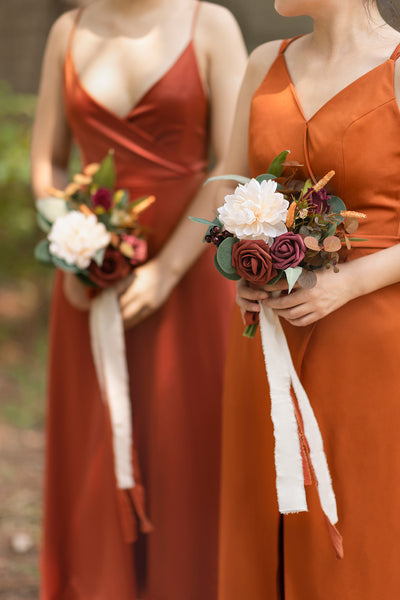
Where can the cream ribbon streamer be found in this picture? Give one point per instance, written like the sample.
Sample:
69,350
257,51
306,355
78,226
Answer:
109,354
288,460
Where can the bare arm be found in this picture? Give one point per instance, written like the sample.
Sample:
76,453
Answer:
221,41
51,138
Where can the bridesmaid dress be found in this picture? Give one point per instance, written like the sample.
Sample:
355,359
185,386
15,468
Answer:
347,362
175,365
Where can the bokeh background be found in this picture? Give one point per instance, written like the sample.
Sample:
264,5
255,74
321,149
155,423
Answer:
25,287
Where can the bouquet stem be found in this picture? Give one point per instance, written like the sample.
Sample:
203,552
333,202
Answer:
250,330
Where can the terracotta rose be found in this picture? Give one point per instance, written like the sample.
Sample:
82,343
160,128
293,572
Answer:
252,261
114,268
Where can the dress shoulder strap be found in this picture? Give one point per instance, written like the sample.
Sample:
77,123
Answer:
74,26
396,53
287,43
195,17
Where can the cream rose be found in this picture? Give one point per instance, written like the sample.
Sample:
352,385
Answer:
255,211
76,238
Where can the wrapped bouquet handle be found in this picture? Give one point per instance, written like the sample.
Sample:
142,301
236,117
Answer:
109,355
283,381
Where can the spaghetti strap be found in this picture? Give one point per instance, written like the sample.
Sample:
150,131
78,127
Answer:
74,26
195,16
287,43
396,53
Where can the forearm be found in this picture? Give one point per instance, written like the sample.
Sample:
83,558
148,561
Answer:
47,175
373,272
186,242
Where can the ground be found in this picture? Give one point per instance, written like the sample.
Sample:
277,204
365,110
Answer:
23,333
21,469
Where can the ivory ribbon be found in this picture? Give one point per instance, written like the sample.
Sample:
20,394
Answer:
108,348
282,377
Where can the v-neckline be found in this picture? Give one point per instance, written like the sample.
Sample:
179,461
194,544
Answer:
336,95
141,99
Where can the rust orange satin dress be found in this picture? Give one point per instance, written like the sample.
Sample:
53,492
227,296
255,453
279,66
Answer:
347,362
175,365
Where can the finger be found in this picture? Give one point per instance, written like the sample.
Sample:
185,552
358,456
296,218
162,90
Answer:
293,313
282,284
307,319
123,285
246,305
286,300
250,294
244,290
132,319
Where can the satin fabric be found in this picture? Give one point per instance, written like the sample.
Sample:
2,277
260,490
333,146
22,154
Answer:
347,362
175,361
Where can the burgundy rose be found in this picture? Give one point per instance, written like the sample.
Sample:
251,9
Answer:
288,250
139,247
114,268
102,198
319,201
252,261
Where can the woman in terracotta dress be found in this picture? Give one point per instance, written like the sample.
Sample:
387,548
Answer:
331,98
156,81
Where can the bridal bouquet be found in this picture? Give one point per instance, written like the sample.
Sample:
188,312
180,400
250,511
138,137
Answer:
93,231
272,228
92,228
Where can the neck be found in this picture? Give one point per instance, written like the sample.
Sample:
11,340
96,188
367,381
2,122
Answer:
347,26
134,6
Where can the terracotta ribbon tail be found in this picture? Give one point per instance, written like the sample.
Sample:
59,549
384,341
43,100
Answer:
282,377
109,355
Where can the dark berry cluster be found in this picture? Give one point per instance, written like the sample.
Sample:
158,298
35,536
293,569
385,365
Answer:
216,235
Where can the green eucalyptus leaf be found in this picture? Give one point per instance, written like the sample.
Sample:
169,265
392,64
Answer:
42,252
308,184
292,275
64,266
202,221
265,177
123,200
43,223
231,276
336,204
224,254
105,176
99,256
51,208
237,178
84,277
276,167
275,279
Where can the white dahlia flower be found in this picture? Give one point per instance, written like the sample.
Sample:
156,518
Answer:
255,211
76,238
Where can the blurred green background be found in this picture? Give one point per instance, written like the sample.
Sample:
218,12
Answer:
24,288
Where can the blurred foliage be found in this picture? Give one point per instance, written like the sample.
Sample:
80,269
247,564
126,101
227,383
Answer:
24,284
17,214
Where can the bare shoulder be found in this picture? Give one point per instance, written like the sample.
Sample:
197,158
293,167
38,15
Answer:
215,20
59,34
260,62
262,58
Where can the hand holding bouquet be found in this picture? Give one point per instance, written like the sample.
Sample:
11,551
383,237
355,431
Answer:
272,228
93,229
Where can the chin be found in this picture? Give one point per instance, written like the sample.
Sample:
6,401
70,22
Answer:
292,8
